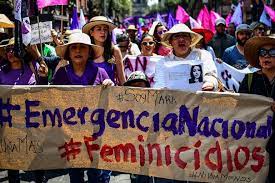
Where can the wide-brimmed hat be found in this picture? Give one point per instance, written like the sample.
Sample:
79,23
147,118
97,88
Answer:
78,38
98,20
181,28
252,46
136,77
4,44
132,27
206,33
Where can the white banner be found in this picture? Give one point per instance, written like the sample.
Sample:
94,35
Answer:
232,77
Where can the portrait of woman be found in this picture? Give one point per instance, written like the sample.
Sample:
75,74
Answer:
195,74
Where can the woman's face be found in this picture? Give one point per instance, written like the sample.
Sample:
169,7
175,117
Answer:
196,72
100,33
267,57
79,53
160,31
10,54
147,46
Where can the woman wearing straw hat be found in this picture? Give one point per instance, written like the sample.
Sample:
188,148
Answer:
81,71
183,40
260,53
99,29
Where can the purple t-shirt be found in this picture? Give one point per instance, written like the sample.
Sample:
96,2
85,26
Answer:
91,76
18,77
109,68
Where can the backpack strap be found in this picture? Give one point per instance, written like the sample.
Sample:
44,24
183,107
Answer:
249,81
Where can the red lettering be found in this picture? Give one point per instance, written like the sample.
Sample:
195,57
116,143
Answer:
259,158
168,155
128,65
238,165
178,161
197,155
150,151
125,149
209,163
141,151
106,151
143,65
229,160
91,147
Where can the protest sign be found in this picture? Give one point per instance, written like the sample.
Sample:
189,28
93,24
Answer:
180,75
141,63
232,77
45,32
210,137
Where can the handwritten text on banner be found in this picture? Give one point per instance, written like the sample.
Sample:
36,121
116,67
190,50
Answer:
162,133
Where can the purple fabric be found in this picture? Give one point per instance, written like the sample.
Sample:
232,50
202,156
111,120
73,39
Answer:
109,68
74,24
18,77
66,76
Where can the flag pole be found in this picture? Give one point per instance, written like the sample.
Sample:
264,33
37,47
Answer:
62,19
38,21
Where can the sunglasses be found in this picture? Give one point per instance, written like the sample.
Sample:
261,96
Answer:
148,43
9,49
264,52
161,32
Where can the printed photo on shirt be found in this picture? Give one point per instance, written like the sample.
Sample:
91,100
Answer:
196,74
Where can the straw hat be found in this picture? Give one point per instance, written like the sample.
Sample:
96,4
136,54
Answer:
206,33
98,20
79,38
181,28
252,46
3,46
132,27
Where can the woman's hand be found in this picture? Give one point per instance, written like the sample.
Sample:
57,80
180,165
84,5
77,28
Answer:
273,106
107,82
43,69
207,86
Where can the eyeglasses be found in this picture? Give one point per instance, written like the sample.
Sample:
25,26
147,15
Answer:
161,32
264,52
178,36
9,49
148,43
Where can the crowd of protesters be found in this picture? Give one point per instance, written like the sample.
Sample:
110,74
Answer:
89,57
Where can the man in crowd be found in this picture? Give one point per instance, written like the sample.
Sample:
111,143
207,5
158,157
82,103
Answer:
258,29
221,40
126,46
234,55
132,32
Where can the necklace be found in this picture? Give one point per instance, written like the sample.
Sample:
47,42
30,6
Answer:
266,88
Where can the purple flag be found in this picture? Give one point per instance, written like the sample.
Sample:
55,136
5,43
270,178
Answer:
171,21
237,17
181,15
42,3
270,12
74,24
265,19
159,19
